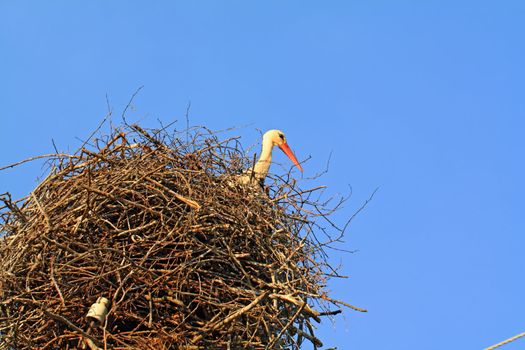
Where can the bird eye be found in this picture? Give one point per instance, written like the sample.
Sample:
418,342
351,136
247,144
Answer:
281,136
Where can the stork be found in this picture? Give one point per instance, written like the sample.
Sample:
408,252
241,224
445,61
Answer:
258,173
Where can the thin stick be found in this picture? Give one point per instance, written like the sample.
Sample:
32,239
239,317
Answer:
52,155
232,316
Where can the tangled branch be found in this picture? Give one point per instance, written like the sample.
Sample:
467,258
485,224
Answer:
186,258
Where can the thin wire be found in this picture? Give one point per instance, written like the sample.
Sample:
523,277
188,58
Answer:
506,341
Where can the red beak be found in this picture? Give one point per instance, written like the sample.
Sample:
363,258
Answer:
286,149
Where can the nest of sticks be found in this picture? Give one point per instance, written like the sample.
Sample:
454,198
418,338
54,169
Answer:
143,240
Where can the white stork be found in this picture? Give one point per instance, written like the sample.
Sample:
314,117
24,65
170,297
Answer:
258,173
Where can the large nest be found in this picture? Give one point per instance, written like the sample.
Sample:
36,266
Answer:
154,222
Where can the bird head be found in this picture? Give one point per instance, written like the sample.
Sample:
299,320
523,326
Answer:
277,138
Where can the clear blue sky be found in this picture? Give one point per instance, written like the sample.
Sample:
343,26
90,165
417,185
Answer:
424,99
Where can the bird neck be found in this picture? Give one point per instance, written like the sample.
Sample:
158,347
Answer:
263,164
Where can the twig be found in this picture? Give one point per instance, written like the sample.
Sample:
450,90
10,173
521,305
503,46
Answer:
231,317
129,104
30,159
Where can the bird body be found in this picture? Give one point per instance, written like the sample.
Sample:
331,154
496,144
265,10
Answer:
259,171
